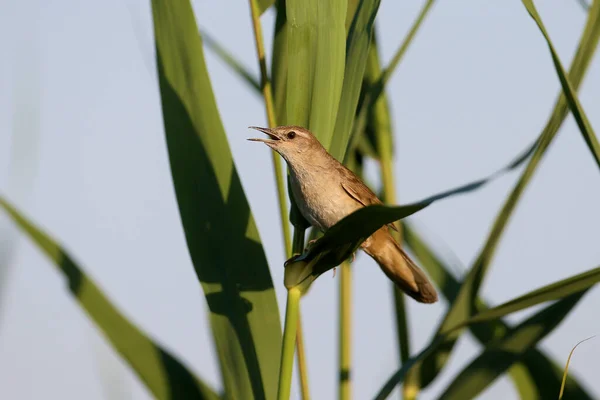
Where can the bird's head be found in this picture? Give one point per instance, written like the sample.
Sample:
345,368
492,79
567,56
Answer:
291,142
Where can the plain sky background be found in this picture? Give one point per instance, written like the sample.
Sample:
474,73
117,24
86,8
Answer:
80,118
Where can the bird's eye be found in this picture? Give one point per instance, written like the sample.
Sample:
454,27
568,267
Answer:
291,135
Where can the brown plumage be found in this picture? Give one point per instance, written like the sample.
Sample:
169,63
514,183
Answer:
326,192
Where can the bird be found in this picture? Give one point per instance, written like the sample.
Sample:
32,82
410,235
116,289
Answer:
326,191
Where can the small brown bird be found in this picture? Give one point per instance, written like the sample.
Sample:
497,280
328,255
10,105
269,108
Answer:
326,192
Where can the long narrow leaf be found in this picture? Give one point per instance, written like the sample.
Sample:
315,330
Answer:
582,121
550,292
164,376
499,355
536,377
424,372
220,231
357,51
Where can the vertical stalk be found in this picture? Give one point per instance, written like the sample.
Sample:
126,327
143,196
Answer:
271,118
281,194
345,319
287,348
297,248
301,358
345,389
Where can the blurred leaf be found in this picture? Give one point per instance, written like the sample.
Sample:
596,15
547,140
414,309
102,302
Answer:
164,376
221,235
424,372
357,51
500,354
536,377
582,121
316,54
225,56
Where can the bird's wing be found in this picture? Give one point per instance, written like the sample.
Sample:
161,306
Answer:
361,193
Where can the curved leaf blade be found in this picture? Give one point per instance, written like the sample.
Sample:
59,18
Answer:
582,121
566,373
554,291
164,376
221,235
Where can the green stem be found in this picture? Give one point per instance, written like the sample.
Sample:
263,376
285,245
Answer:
272,121
287,348
301,358
345,331
297,248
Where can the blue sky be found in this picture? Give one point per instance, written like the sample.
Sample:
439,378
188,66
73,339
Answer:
80,119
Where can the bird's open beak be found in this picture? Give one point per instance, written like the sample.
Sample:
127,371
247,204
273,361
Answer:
274,138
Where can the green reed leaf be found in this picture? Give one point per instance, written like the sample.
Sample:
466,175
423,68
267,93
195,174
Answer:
582,121
220,231
164,375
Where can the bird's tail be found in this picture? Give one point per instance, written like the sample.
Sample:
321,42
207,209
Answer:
398,266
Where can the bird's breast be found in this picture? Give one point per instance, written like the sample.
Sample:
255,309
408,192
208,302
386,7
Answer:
321,198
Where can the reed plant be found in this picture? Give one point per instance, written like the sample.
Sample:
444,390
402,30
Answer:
325,74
